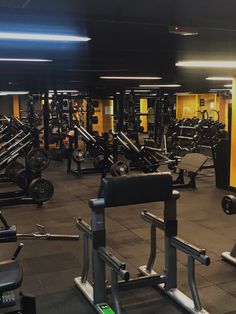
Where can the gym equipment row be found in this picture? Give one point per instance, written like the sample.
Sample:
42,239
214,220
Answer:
123,191
104,159
33,188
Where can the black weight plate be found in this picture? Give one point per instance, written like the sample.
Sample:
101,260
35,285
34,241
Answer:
119,168
22,179
229,204
41,190
78,155
12,169
94,120
38,159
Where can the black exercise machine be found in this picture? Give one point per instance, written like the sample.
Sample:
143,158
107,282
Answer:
229,207
130,190
33,188
105,159
148,159
12,276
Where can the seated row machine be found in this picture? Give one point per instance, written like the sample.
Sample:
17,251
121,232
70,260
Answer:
130,190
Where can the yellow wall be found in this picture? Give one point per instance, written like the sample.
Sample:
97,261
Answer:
233,139
105,116
16,107
188,105
144,110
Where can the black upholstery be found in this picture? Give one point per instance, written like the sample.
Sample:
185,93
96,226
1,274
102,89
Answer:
127,190
11,276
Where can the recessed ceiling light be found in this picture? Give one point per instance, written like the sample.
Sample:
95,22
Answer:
130,77
42,37
218,78
64,91
161,86
183,93
207,64
23,60
142,90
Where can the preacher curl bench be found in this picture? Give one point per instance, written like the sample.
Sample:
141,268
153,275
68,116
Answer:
130,190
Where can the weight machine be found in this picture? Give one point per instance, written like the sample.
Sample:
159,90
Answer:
123,191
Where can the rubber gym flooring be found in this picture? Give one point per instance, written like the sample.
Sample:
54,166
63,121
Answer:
50,267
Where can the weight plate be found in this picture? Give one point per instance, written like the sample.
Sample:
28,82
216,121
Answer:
229,204
78,155
38,159
41,190
100,163
12,169
22,179
119,168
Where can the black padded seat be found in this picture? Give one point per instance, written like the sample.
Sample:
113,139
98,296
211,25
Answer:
138,189
11,276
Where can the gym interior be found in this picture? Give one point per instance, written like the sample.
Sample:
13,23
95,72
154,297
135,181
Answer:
117,157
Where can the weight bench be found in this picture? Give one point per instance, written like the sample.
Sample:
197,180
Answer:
130,190
191,163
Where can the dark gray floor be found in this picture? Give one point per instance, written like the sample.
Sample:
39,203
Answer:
49,267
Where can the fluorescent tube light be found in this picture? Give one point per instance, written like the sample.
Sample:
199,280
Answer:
228,85
218,78
130,78
161,86
207,64
23,60
42,37
13,93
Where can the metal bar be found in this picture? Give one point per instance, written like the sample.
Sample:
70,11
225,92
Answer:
140,282
130,143
85,270
84,227
192,284
114,263
46,120
153,248
152,219
114,292
189,249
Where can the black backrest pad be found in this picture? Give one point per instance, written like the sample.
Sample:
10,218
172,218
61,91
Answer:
137,189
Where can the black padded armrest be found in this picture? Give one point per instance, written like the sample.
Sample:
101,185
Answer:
145,188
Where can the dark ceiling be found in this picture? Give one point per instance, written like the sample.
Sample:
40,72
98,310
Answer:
129,37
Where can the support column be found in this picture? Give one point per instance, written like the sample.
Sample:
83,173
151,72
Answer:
233,138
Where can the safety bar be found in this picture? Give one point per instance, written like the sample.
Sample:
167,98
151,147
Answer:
87,234
11,140
113,262
82,133
123,143
84,227
193,252
189,249
130,143
9,149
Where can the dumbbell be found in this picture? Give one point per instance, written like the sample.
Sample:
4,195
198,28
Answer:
229,204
